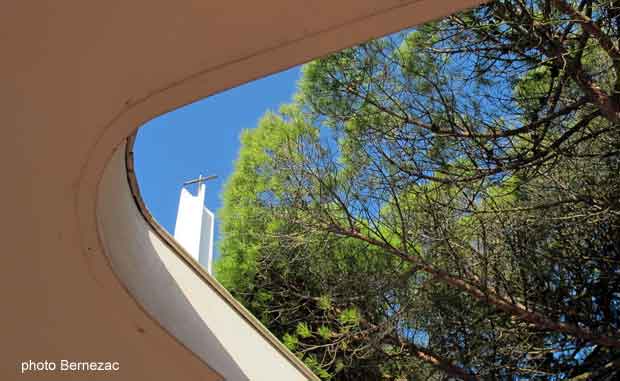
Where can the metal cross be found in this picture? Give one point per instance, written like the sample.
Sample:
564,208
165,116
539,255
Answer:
199,180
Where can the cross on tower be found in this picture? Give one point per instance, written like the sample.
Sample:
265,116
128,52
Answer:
199,180
195,223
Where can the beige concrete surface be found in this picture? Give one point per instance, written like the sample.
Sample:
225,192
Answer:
77,78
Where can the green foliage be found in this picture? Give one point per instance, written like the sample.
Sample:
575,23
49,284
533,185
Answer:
443,196
349,317
315,366
290,341
303,331
324,332
325,302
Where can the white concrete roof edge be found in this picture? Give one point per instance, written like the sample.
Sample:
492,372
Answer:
179,294
200,271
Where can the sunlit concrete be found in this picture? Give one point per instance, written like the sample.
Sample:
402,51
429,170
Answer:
187,303
194,225
77,78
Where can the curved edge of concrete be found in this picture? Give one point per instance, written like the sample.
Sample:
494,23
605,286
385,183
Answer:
174,290
259,342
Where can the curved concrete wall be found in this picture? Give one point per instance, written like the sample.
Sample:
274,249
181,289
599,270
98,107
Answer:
173,288
77,78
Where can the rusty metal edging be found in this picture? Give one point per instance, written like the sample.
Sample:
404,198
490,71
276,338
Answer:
198,270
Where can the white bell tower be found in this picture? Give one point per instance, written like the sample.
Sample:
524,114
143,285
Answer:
195,223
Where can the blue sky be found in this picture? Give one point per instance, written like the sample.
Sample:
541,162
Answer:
202,138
